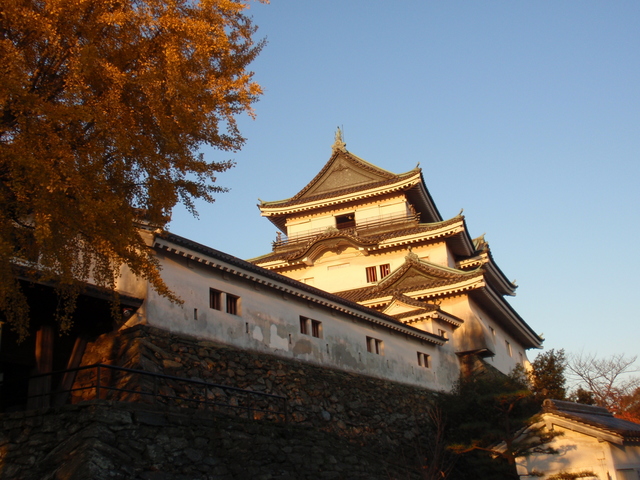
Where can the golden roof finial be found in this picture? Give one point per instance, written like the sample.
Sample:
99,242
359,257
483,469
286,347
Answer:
339,142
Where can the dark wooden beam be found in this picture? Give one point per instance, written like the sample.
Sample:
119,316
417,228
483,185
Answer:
40,387
69,377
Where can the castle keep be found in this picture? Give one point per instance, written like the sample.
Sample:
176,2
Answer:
377,238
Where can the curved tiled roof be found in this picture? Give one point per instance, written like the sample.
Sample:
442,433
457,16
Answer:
335,193
413,313
331,187
444,277
359,239
388,179
369,293
431,307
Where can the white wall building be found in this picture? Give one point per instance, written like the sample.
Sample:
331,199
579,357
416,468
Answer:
232,301
592,440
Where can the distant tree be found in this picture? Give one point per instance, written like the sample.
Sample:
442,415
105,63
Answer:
104,106
547,375
607,380
580,395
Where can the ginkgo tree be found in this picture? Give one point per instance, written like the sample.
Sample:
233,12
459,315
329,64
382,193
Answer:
104,107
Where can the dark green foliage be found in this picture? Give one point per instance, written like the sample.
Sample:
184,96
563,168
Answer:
583,396
486,416
547,375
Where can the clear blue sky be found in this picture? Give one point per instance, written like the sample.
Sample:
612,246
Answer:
526,114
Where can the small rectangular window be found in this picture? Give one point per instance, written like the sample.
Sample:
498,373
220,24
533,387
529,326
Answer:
424,360
385,270
375,346
372,275
346,221
442,333
233,304
215,299
304,325
508,345
316,329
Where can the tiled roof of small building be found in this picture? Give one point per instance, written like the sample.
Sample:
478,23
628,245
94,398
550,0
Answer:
594,416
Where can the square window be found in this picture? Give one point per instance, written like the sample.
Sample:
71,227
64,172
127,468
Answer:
375,346
424,360
442,333
372,275
215,299
310,327
385,270
233,304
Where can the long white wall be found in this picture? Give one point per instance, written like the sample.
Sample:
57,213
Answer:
268,320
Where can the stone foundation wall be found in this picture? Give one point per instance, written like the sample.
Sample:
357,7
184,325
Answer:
103,440
352,405
341,425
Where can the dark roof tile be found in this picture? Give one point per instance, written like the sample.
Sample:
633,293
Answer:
595,416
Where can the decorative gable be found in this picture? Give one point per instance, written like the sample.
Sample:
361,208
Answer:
341,173
413,276
416,272
401,304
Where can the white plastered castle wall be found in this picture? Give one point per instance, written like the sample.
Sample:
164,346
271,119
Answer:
481,330
344,266
268,320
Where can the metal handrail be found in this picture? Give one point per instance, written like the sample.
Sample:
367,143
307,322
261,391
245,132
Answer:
100,387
